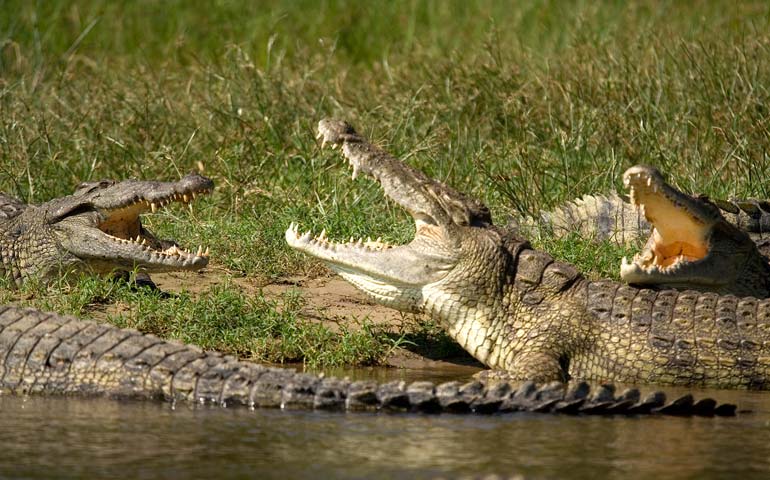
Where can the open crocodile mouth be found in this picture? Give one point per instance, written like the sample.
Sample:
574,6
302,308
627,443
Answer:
339,254
381,269
119,238
123,225
681,226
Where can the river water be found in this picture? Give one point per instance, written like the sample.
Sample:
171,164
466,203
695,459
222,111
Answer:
44,437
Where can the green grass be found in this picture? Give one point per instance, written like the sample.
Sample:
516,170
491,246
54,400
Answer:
523,106
222,318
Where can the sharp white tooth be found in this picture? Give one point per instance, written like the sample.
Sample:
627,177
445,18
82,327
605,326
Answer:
322,236
351,240
624,261
199,252
379,240
334,146
355,172
153,207
206,253
144,241
186,198
649,182
368,239
319,135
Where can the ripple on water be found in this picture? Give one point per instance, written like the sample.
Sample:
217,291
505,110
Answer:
96,438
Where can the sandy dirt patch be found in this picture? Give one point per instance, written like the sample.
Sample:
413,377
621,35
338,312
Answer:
330,300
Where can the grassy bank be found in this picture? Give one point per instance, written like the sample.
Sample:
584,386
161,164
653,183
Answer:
523,107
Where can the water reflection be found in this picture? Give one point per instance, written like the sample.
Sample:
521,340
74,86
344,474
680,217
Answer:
96,438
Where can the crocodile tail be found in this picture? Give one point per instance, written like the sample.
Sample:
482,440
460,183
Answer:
596,217
46,353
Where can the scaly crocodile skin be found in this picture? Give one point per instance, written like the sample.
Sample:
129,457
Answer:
46,353
612,217
520,311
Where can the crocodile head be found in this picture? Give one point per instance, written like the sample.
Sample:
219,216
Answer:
451,231
691,245
98,229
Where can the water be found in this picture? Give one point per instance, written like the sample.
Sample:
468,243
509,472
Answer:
45,437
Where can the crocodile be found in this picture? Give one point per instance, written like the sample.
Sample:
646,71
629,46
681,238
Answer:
523,313
693,242
50,354
613,217
96,230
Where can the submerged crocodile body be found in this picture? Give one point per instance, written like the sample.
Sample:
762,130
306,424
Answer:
97,230
46,353
520,311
